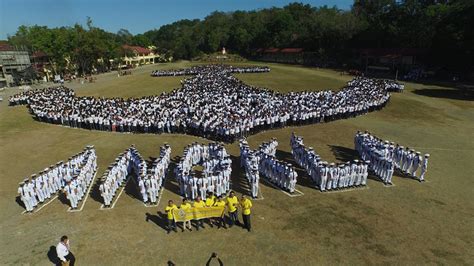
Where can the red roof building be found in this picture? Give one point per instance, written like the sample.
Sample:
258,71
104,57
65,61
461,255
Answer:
141,56
137,49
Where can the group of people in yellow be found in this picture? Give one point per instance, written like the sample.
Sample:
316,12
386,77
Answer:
212,210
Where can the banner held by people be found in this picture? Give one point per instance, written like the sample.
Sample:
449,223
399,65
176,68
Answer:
181,215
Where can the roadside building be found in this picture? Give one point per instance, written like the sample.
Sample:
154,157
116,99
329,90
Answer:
15,66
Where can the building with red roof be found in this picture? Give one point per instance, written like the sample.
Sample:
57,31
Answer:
136,55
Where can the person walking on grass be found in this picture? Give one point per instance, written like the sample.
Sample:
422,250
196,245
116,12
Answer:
64,253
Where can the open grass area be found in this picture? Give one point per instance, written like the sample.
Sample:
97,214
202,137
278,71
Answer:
408,223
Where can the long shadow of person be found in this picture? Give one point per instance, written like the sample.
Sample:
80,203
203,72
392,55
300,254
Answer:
95,191
303,178
53,256
344,154
132,189
20,202
160,219
63,199
169,183
240,183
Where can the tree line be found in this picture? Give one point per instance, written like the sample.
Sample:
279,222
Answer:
443,28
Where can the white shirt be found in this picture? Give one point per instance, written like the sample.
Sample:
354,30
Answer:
62,251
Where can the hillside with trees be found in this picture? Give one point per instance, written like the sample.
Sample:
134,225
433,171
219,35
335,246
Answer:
442,28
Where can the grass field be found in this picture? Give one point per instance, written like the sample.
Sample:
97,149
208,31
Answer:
408,223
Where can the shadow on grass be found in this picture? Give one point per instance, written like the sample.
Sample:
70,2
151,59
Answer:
53,256
131,188
303,177
372,176
170,182
160,219
238,178
344,154
454,94
20,202
95,192
63,199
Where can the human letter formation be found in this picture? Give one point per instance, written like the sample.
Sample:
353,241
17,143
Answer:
130,162
250,161
72,177
156,175
328,176
217,169
275,171
151,182
212,104
386,156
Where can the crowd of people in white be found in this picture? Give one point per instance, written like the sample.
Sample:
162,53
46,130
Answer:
212,103
216,173
391,85
150,187
198,69
328,176
386,156
131,163
72,177
264,160
75,176
250,161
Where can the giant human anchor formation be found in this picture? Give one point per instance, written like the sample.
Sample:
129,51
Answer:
213,104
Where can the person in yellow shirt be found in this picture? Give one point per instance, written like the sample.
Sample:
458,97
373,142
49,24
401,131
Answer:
185,206
210,199
220,220
169,210
199,204
246,205
232,204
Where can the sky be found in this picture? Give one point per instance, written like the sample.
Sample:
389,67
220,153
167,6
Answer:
137,16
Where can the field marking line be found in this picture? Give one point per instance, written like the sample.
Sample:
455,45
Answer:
87,194
286,193
248,187
300,193
118,196
116,199
144,204
44,204
158,201
344,190
161,193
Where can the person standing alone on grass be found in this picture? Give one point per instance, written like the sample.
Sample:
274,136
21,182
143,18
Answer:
64,254
246,204
169,210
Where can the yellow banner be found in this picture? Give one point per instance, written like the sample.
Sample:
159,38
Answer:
197,213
